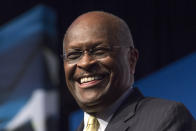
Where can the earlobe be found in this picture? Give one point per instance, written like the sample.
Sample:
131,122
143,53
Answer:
133,55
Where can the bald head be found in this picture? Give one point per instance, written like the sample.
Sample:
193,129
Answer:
102,23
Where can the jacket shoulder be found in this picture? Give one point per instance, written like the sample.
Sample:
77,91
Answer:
158,106
164,114
157,103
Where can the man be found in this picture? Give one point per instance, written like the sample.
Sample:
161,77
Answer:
99,63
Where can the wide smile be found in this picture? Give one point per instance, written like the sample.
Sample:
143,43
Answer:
90,81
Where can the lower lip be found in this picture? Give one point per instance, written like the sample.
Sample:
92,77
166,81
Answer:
89,84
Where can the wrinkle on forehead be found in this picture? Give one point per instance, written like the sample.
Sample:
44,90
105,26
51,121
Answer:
101,24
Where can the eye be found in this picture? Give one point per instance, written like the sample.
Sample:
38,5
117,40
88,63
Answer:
100,51
74,55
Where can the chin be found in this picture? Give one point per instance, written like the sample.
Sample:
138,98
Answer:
90,104
92,108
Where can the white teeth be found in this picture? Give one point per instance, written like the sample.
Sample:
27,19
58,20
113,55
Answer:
87,79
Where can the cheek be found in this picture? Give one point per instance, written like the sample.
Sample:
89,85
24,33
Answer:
114,69
108,63
114,64
119,68
69,70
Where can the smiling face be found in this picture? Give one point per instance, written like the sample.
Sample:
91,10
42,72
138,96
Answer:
97,75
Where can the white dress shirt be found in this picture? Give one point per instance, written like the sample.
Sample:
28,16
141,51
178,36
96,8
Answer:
105,117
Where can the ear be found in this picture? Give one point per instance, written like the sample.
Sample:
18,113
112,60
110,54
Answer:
133,57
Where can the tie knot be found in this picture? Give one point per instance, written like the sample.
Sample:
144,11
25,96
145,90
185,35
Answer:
92,120
92,124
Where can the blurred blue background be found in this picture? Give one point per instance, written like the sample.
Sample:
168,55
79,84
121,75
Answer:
29,98
31,69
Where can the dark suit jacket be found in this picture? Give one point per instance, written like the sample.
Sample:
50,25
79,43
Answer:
139,113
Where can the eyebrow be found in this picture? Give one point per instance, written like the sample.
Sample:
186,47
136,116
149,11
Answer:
95,44
73,49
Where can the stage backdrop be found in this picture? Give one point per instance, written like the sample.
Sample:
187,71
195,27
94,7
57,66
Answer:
28,100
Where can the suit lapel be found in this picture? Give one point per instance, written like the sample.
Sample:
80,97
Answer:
126,111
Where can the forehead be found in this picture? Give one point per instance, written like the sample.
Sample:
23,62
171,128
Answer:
86,31
86,35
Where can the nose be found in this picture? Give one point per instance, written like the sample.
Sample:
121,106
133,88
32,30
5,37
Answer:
86,61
